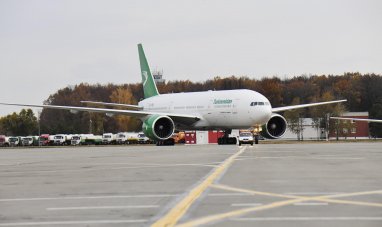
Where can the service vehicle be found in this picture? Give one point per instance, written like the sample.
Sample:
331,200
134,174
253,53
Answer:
14,141
109,138
121,137
142,138
44,140
29,141
76,140
245,137
4,141
62,139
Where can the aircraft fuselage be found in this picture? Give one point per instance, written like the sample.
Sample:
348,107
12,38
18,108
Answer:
227,109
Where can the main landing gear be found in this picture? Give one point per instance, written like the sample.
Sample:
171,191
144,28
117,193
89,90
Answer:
167,142
225,140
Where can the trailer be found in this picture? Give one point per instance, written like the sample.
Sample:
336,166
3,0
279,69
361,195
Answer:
90,139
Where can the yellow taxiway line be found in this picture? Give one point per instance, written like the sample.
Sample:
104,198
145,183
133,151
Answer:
291,199
173,216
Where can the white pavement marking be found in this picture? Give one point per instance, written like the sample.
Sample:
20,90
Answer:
89,197
310,219
105,169
313,193
102,207
228,194
73,222
310,204
246,204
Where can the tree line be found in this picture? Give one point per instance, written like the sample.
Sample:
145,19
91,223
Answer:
363,92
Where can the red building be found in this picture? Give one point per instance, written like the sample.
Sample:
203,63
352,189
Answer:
356,129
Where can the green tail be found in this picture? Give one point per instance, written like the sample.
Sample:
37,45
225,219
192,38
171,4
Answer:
149,87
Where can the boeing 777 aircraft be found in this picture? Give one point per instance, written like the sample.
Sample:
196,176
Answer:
161,114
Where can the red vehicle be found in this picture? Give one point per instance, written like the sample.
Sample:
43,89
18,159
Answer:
44,140
3,142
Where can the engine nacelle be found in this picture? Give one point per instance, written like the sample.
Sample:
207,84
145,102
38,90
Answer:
275,127
158,127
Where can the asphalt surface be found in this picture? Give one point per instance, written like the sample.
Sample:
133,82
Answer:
318,184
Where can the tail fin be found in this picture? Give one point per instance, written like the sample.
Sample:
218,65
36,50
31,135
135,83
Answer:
149,87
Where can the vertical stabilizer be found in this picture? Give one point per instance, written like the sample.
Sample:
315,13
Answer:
149,87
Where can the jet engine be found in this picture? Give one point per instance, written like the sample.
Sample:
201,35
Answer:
275,127
157,127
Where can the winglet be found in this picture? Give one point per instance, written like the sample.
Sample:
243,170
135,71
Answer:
149,87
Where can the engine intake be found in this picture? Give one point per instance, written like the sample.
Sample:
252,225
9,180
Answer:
275,127
158,127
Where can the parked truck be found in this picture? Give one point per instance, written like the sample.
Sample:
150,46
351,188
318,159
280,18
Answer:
44,140
62,139
142,138
121,137
4,141
109,138
29,141
14,141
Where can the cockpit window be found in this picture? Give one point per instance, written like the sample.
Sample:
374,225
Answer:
260,104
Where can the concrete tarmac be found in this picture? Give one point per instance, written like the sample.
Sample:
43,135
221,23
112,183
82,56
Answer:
317,184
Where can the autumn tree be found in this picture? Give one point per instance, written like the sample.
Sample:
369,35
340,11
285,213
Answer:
295,120
376,113
23,124
320,114
124,123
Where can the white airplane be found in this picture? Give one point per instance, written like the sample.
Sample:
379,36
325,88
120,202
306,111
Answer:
357,119
225,110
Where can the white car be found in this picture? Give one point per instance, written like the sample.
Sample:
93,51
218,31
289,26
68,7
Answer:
245,138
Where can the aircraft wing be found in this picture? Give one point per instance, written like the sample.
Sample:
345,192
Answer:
357,119
114,104
284,108
133,113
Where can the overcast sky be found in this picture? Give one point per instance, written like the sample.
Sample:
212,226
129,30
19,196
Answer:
47,45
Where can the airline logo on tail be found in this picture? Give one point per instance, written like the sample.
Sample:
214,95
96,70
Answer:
145,77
